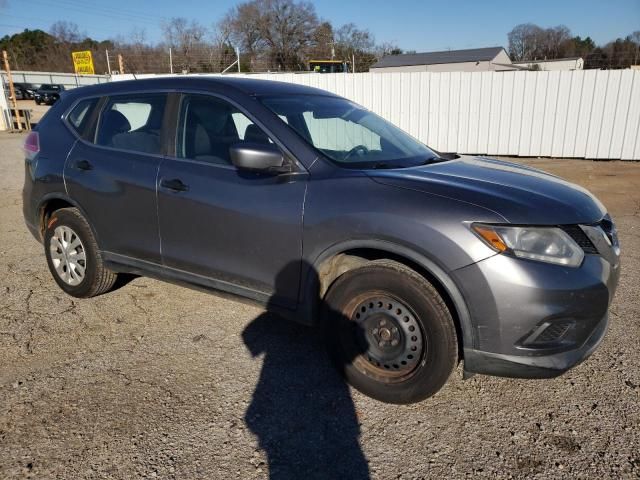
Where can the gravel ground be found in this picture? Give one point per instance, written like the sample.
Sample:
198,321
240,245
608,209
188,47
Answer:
156,380
37,111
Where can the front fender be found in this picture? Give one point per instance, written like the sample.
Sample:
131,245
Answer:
310,287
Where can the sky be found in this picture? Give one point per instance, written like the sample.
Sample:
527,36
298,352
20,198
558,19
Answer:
421,25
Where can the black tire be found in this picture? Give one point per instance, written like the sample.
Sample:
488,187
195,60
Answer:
96,279
37,101
371,307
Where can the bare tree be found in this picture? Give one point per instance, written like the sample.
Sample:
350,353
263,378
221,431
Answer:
635,38
66,32
388,48
323,42
185,38
279,31
244,24
524,40
356,44
287,28
554,41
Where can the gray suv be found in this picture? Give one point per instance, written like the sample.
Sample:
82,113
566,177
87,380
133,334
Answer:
411,260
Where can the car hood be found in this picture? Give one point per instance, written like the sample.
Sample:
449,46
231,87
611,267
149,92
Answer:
519,194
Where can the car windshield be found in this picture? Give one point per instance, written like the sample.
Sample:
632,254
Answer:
348,134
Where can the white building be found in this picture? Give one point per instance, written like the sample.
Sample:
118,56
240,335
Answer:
573,63
471,60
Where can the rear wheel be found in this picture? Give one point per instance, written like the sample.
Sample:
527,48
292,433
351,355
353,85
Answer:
390,332
73,255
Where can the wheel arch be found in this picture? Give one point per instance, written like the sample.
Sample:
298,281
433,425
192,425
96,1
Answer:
340,258
55,201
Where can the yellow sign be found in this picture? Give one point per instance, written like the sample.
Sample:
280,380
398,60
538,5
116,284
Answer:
83,62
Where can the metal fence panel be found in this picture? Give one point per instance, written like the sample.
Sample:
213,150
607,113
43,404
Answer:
69,80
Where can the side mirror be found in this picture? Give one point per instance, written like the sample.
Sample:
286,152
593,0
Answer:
257,157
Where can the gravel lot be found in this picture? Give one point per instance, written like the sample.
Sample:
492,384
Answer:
155,379
37,111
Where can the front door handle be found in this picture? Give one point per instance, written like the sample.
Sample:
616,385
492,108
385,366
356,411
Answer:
83,165
174,185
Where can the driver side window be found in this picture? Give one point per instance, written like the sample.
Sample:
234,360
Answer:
209,126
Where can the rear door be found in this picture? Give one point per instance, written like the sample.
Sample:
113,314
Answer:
242,229
112,174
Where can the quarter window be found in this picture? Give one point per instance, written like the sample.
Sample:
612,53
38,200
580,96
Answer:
80,117
209,126
133,122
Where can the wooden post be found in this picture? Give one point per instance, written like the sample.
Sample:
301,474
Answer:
120,64
12,91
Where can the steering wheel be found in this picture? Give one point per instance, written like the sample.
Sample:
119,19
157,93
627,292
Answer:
361,150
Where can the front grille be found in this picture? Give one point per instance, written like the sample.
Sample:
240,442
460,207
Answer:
578,236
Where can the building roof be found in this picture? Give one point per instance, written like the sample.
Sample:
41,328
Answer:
447,56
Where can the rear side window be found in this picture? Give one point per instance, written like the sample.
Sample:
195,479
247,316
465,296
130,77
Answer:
208,126
80,117
133,122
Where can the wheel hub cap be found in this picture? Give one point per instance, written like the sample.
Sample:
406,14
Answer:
68,255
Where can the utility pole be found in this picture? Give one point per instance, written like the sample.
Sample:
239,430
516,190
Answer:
238,58
333,49
120,64
12,92
170,61
106,52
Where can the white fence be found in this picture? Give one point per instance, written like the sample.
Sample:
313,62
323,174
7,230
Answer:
584,114
69,80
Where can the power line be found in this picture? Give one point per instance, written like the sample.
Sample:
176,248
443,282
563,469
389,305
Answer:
88,11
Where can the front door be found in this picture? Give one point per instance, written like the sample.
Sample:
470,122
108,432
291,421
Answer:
241,229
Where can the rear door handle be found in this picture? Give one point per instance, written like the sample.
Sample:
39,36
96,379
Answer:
83,165
174,185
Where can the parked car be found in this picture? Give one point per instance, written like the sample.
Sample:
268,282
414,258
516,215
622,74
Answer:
48,93
411,260
24,90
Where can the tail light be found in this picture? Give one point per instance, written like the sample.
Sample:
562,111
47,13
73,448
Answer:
31,145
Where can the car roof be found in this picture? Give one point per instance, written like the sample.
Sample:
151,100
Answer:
248,86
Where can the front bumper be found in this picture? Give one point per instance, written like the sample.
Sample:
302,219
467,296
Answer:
532,319
544,366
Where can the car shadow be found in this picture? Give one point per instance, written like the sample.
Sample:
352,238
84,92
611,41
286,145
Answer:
301,411
123,280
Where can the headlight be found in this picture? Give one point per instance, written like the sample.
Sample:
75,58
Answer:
545,244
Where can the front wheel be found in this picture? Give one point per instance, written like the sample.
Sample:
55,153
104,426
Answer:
73,255
390,332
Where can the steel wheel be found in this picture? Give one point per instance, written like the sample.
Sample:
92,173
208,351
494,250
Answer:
388,336
68,255
389,332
